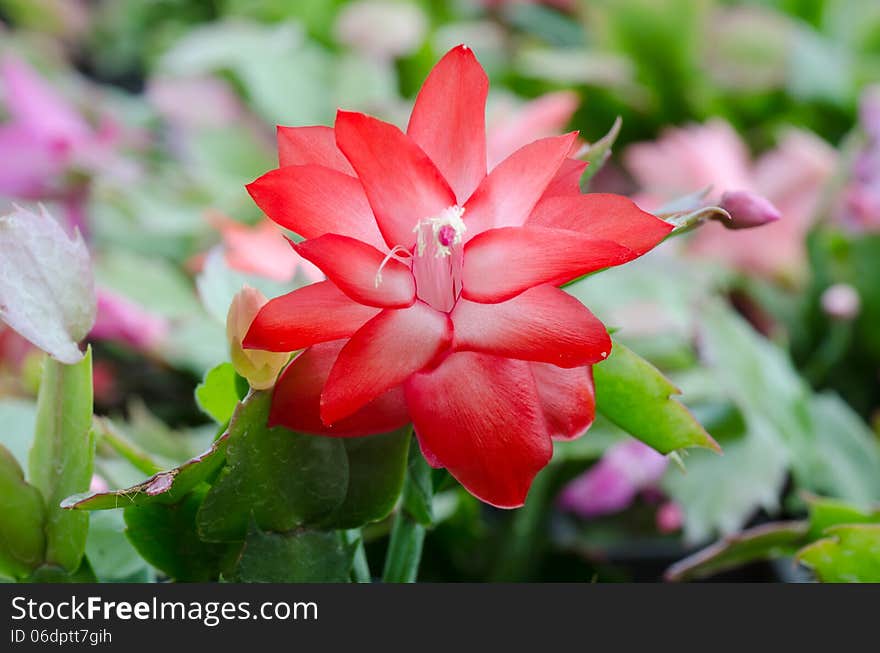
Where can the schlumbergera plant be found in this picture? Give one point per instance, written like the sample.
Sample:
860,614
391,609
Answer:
441,322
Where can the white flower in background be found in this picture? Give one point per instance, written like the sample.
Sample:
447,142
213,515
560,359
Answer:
382,29
47,291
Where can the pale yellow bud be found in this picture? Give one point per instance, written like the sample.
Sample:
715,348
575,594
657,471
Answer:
260,368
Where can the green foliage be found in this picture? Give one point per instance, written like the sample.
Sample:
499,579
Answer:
376,470
22,517
635,396
850,554
278,478
838,541
759,543
165,535
300,557
165,487
62,456
217,395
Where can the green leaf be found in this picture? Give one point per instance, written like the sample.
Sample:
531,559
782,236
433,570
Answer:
851,554
721,493
54,574
418,494
846,459
280,478
635,396
304,557
826,513
22,514
110,553
165,535
62,456
376,469
408,531
763,542
165,487
759,378
217,395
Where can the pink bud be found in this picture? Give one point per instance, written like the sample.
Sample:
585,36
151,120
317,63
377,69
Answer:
670,517
747,210
841,302
260,368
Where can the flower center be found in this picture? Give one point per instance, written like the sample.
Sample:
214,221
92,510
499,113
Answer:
437,258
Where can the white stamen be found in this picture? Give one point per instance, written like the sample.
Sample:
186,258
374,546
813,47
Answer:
399,253
449,217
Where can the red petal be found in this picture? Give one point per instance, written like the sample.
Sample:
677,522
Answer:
312,200
449,120
297,399
299,146
542,324
353,266
567,398
602,216
480,417
304,317
402,184
382,354
567,180
501,263
510,192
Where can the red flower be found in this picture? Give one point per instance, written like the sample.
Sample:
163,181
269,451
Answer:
441,304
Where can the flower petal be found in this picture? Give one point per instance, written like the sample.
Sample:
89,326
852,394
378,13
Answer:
382,354
297,399
602,216
312,200
542,324
316,313
544,116
355,269
568,398
567,180
299,146
480,417
507,196
402,184
449,120
501,263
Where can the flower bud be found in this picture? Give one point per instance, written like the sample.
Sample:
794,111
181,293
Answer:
260,368
747,210
841,302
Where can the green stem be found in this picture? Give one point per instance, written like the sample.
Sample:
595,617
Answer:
138,458
516,558
360,570
413,516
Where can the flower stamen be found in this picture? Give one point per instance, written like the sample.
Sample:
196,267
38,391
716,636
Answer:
398,253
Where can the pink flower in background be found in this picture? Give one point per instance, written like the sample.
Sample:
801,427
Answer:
182,101
510,127
791,177
262,250
612,484
859,208
45,140
121,320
